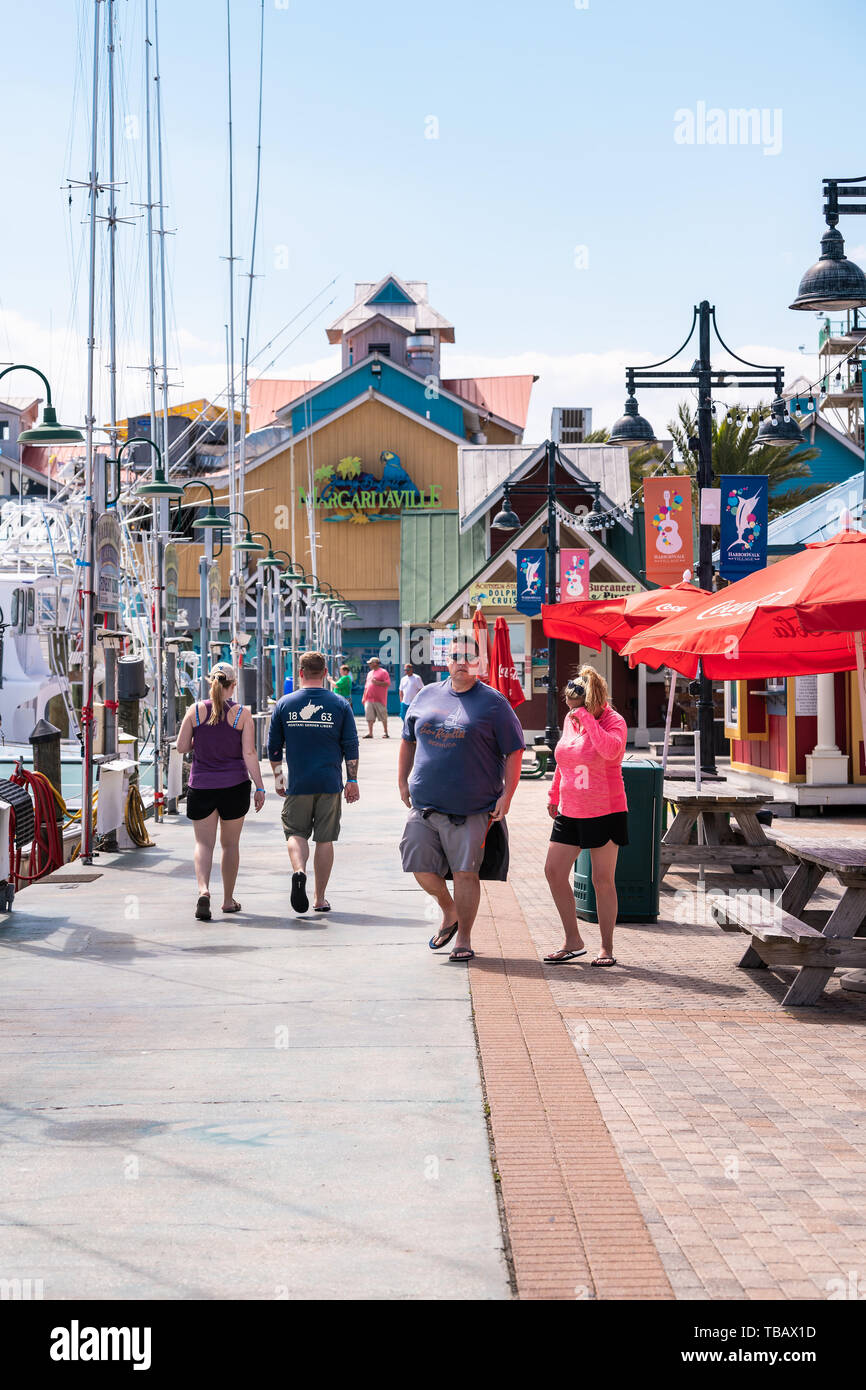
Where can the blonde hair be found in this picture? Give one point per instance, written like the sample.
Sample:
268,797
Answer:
597,694
222,678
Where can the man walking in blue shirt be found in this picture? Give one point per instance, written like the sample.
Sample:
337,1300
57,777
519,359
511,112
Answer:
458,768
317,730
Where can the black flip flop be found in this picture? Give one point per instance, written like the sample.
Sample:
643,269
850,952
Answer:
202,908
563,960
447,932
326,906
461,954
300,901
604,961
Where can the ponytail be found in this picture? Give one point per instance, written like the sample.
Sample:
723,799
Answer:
596,689
221,681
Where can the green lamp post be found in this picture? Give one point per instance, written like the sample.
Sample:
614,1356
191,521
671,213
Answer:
49,432
248,546
158,486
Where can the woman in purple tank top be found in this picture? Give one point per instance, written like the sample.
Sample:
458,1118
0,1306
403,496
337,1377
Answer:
219,733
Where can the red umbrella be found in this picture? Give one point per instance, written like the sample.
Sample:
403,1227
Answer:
482,637
591,621
503,676
775,622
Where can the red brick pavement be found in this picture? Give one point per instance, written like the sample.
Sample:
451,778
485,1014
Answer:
694,1137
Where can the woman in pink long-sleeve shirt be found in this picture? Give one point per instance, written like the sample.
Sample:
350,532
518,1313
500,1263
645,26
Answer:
588,807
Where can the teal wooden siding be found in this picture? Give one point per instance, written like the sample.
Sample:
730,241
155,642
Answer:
407,391
436,561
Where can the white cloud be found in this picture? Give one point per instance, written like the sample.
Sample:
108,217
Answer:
594,379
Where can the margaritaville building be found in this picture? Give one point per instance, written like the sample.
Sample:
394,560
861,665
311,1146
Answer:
383,481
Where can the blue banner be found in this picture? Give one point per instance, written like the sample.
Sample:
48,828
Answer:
531,587
743,546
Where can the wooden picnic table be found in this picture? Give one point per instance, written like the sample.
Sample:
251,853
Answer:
712,810
819,941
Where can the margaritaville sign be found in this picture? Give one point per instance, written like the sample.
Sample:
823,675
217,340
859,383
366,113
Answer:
359,496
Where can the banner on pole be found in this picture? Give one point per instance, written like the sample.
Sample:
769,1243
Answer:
107,563
743,544
668,521
169,569
214,597
531,578
573,574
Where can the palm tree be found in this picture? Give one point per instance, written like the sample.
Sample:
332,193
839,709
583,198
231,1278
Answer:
641,462
734,435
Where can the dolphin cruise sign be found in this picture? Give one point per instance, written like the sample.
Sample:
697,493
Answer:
355,495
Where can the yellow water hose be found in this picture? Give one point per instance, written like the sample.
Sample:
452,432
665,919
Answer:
134,818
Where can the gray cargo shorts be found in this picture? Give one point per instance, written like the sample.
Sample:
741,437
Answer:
432,843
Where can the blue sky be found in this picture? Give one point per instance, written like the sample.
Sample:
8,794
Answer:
555,132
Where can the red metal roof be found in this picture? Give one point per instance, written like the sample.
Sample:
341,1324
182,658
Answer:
505,396
267,395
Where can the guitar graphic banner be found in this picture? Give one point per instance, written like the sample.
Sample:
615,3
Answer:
743,546
669,532
574,574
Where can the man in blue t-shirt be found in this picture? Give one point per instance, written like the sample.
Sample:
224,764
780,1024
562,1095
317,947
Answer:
458,769
317,730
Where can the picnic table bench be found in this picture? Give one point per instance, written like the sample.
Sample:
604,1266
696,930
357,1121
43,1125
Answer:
541,764
789,933
712,811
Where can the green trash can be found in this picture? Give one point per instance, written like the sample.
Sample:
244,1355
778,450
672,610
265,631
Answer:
637,866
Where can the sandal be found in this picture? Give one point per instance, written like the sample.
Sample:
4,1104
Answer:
323,906
462,953
604,961
202,908
561,958
447,932
299,900
234,907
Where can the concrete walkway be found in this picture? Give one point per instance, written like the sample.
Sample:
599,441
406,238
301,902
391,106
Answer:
259,1107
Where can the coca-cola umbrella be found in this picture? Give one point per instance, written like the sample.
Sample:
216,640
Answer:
798,617
482,637
589,622
503,676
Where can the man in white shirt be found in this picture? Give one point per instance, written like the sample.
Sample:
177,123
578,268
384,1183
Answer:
410,684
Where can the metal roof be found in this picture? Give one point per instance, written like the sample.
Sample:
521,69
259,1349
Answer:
414,317
436,558
267,395
505,396
484,469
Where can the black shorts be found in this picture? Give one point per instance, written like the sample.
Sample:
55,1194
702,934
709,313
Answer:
231,803
590,832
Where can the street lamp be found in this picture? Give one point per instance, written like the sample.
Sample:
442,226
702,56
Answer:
49,432
248,546
778,427
834,282
701,374
631,429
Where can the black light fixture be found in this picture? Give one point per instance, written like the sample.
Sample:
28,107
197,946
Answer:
778,427
597,520
631,428
834,283
506,519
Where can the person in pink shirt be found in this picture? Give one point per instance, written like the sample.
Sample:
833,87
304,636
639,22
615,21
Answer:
376,696
588,807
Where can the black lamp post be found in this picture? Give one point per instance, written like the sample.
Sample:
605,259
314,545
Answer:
833,282
508,520
633,429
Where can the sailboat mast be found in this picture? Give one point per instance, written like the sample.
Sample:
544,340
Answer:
233,488
157,506
89,548
161,234
112,234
